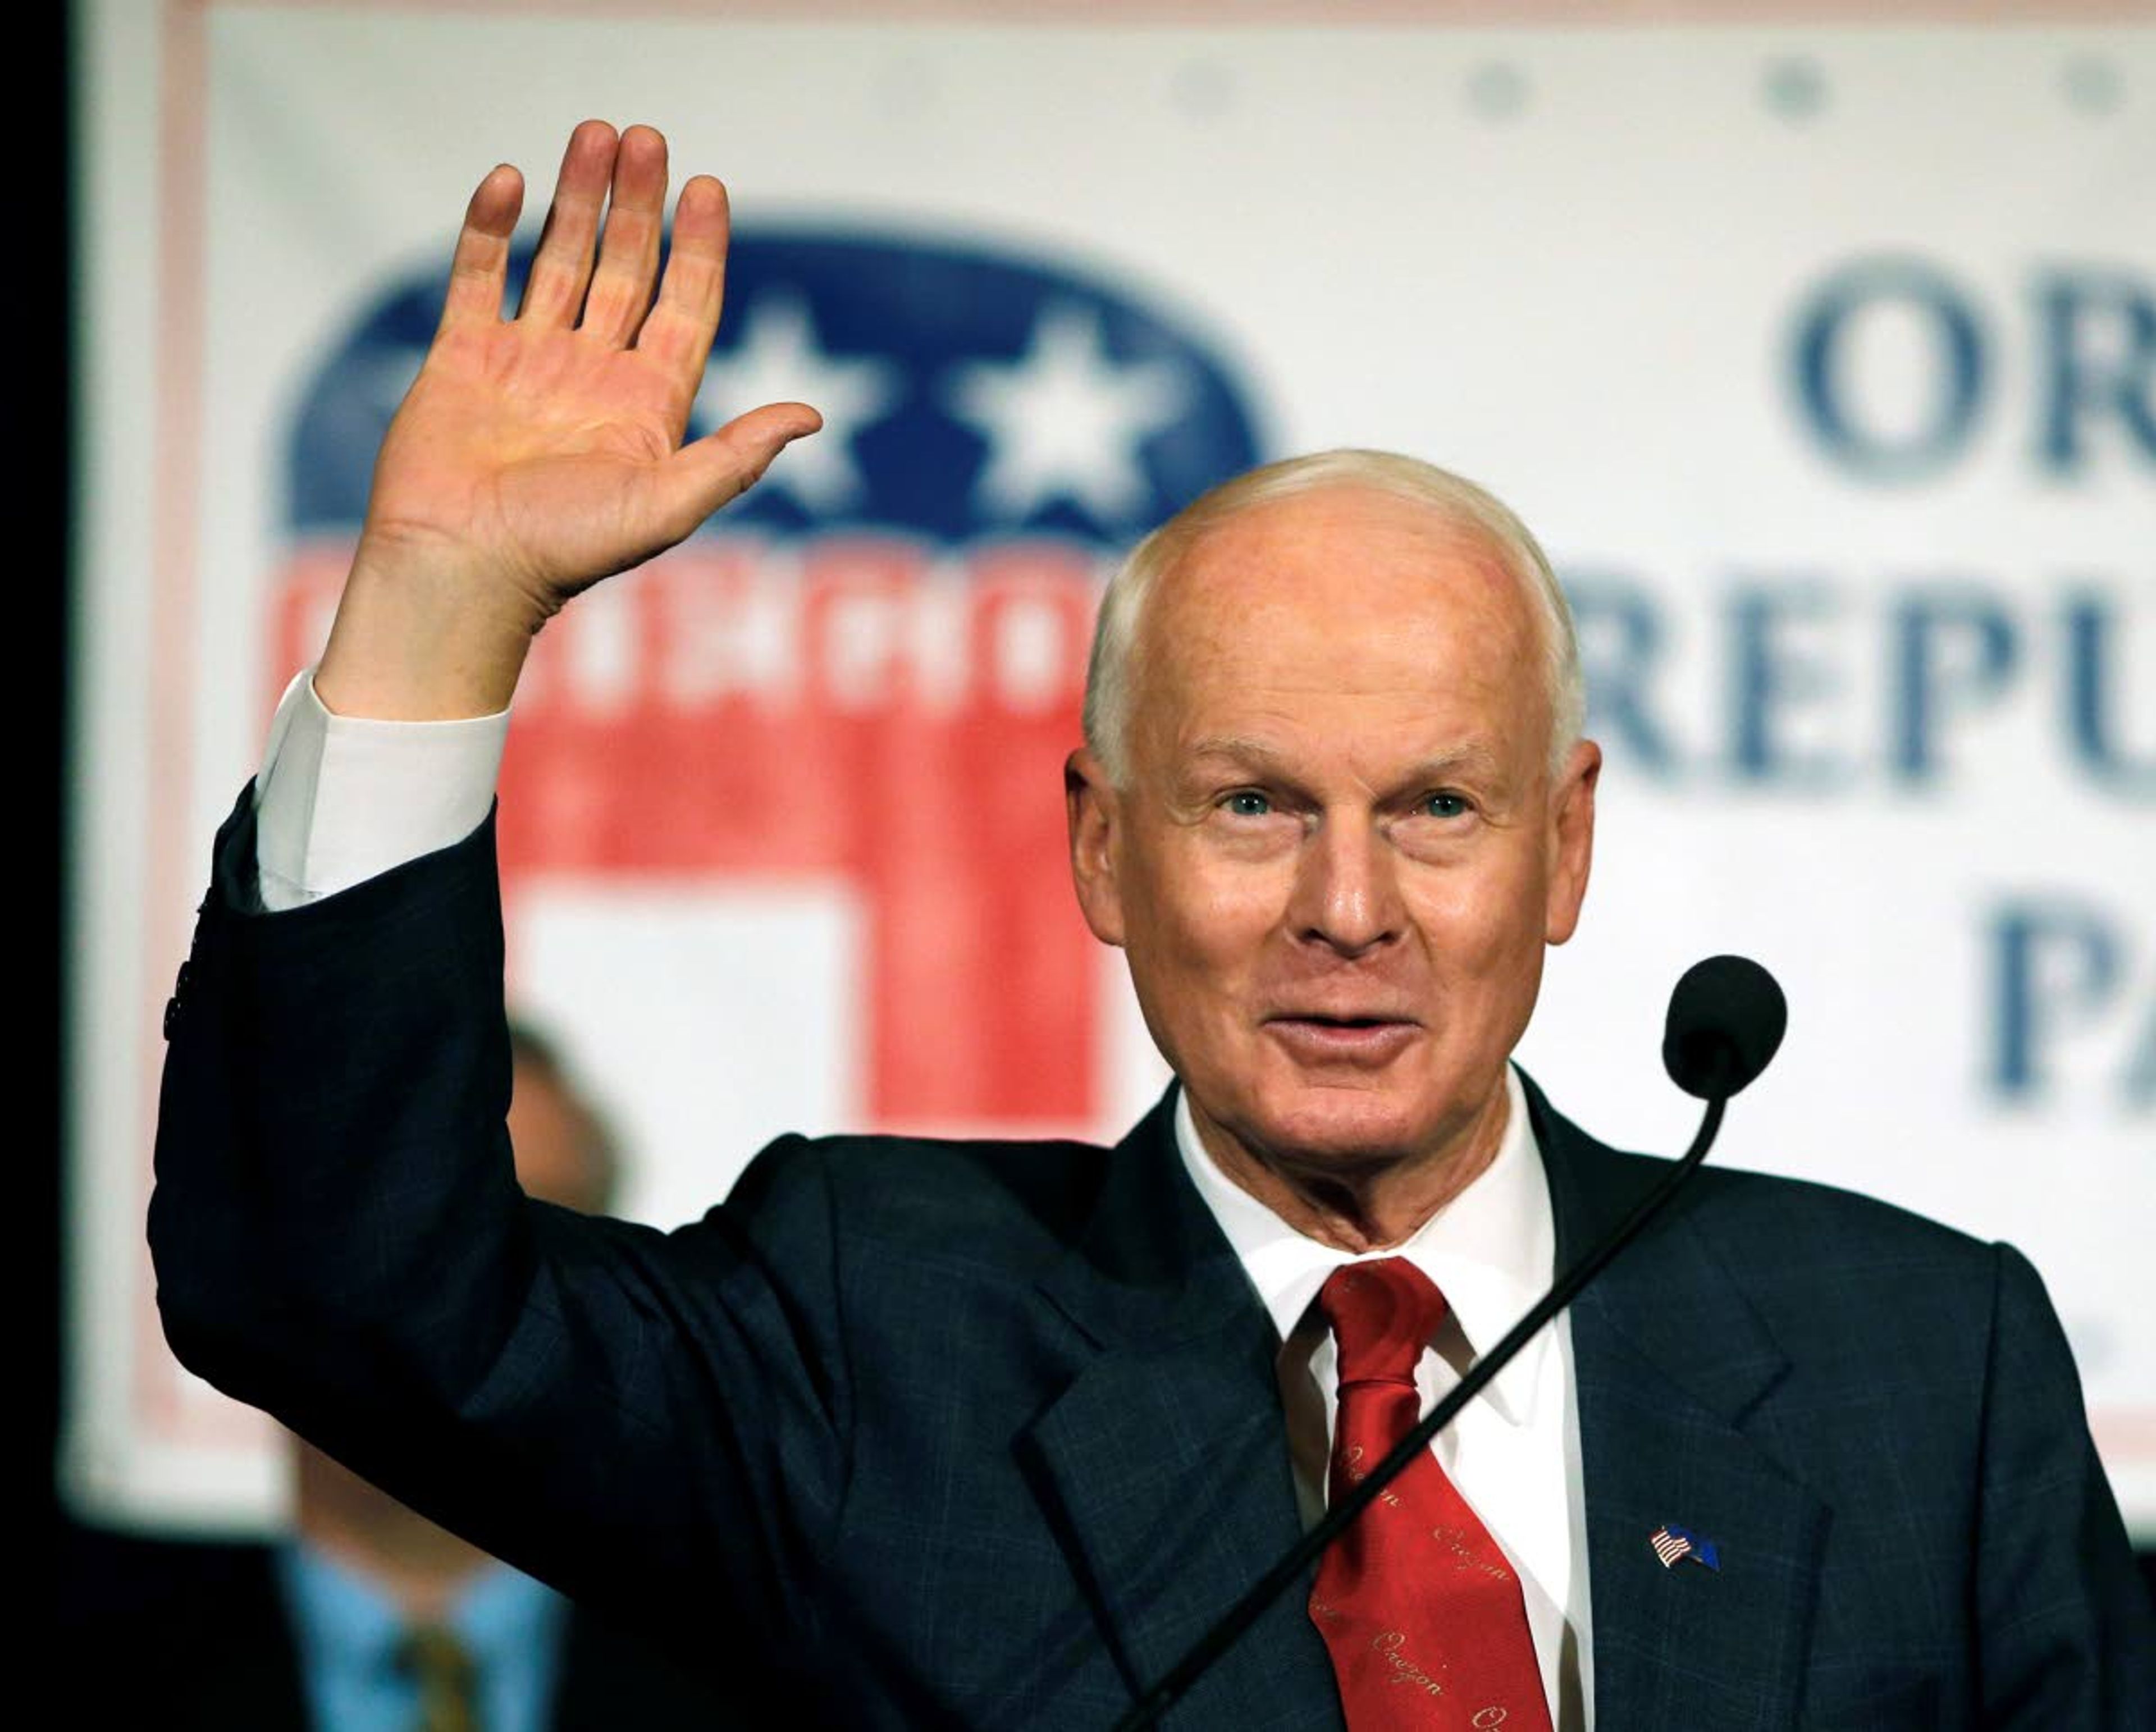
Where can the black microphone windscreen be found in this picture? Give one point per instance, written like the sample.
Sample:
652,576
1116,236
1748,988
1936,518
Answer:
1726,1019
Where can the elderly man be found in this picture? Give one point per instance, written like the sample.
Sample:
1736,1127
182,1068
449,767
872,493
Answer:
989,1434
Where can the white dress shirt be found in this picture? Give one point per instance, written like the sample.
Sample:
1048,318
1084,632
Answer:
340,800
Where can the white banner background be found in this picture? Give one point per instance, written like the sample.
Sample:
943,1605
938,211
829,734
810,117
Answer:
1576,264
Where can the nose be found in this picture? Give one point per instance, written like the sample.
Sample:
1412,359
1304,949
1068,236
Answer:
1347,889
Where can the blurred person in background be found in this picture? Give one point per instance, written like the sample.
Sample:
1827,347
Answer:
369,1617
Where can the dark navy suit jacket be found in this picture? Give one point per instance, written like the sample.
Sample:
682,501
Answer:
987,1433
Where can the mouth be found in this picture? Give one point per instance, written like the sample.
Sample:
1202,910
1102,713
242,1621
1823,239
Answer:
1315,1037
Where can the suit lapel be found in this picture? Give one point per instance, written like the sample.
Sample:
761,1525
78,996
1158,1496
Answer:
1670,1362
1164,1464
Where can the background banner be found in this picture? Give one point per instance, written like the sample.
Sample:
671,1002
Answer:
1822,358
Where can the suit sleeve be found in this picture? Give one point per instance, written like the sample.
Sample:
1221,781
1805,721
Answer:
2066,1634
658,1419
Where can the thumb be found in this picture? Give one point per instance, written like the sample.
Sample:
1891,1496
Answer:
716,469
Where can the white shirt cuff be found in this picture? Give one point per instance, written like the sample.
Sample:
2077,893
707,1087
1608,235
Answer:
340,800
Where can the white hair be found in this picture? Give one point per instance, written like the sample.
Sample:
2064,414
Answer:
1111,672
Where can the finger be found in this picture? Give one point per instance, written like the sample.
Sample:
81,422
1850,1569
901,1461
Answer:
678,331
702,477
620,294
554,292
480,264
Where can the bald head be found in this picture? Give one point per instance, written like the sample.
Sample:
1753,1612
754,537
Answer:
1130,628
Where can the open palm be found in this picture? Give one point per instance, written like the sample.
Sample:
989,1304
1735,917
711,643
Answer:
537,454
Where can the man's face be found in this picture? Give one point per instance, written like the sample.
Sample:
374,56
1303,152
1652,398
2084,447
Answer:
1340,851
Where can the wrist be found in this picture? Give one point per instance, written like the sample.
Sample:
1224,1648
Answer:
420,642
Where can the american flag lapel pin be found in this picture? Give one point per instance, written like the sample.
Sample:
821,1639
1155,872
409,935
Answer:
1673,1543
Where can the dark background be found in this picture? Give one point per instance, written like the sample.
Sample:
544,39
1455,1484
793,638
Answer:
38,409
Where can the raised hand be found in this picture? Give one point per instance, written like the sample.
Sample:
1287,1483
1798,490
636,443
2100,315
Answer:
535,455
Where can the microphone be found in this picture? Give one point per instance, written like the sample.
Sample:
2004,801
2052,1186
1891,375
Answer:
1726,1019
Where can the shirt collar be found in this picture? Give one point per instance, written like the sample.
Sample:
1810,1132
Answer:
1491,1250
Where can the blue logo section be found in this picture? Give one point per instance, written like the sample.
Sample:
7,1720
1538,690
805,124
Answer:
966,392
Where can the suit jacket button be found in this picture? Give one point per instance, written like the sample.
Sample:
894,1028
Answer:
173,1004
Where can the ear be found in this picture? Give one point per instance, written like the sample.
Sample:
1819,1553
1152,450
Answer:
1094,808
1571,840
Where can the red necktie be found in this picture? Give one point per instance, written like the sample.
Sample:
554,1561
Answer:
1423,1614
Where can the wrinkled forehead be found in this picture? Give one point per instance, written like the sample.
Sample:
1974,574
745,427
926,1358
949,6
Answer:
1338,590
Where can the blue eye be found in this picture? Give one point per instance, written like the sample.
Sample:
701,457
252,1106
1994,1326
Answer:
1248,802
1445,806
